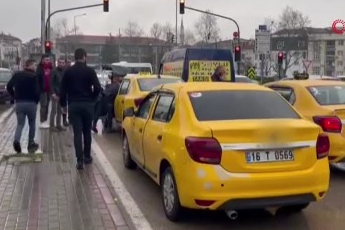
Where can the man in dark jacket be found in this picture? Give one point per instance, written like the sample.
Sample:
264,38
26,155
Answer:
43,73
55,84
81,86
24,88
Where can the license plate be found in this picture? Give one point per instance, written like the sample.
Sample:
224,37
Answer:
269,156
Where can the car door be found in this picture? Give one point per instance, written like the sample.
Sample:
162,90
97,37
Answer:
153,142
139,123
120,99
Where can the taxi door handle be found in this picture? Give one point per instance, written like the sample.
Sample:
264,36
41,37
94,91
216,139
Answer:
140,130
159,137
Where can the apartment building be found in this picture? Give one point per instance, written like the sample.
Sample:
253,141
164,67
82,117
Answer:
10,50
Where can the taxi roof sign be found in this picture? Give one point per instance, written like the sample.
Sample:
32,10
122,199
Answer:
300,76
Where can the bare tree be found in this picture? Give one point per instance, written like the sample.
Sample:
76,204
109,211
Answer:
167,31
156,30
292,23
207,28
62,29
133,29
189,38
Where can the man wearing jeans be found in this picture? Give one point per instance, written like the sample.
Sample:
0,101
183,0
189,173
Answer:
80,86
55,82
24,88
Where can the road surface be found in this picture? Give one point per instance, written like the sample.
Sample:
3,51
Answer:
326,215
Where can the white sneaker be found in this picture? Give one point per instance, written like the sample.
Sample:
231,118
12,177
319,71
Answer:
44,125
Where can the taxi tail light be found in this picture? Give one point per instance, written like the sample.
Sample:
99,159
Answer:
204,150
138,101
329,124
322,146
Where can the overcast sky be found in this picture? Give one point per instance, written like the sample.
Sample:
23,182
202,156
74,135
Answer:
21,18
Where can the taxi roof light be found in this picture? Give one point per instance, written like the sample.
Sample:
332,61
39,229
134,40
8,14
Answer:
300,76
322,146
204,150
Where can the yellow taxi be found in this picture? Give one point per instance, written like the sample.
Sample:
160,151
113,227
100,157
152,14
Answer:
322,102
228,147
134,87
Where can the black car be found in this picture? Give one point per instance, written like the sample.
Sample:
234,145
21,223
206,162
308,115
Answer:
5,77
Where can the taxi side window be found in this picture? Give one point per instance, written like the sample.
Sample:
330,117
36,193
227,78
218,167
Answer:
163,111
287,93
124,87
144,109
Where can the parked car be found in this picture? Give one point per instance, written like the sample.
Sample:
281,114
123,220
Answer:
5,77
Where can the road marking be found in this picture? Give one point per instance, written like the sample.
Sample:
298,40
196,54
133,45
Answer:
6,113
137,217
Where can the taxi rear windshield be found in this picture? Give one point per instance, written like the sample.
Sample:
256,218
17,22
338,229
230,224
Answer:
328,95
150,83
240,105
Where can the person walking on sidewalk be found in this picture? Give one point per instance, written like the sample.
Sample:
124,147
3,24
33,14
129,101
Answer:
55,82
43,73
24,88
81,87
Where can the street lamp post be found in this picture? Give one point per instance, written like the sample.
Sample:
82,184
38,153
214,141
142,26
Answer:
75,25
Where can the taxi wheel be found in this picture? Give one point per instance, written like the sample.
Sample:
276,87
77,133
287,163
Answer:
171,201
127,159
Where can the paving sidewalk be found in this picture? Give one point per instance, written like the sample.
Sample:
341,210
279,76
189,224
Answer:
52,194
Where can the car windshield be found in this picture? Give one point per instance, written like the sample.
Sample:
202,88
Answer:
5,76
243,79
136,70
328,95
149,83
240,105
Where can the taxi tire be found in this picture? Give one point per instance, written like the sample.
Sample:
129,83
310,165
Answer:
127,159
177,210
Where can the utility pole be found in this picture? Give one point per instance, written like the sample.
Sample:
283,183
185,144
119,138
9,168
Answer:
176,29
49,28
43,19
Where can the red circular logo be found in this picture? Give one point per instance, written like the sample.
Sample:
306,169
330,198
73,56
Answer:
338,26
235,34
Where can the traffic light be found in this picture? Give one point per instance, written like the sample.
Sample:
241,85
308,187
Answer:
181,6
280,58
237,53
48,47
105,5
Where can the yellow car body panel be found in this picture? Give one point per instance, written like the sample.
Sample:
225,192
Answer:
309,107
126,100
233,179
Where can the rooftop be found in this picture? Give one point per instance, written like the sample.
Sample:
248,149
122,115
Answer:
8,37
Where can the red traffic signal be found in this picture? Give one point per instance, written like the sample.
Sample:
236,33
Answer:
237,53
181,6
48,46
105,5
280,58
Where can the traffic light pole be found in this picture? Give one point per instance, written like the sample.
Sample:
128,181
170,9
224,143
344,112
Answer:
279,70
64,10
224,17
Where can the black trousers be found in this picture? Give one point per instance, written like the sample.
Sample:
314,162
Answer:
81,116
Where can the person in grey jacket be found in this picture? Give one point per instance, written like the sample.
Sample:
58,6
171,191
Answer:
55,84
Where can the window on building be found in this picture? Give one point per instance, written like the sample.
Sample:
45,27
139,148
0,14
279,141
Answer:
340,73
316,70
330,43
280,45
316,55
341,43
301,44
340,53
339,63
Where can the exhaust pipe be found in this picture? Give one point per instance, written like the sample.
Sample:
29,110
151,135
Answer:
232,214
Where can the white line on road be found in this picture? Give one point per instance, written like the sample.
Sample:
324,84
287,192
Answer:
132,209
5,114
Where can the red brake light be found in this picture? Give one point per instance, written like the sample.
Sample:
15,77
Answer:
322,146
204,150
329,124
138,101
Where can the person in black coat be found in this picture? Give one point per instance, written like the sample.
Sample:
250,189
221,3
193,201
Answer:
81,87
24,87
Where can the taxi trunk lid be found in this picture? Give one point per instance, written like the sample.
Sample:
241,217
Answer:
271,145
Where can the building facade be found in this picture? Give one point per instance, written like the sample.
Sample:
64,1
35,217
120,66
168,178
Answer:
110,49
10,50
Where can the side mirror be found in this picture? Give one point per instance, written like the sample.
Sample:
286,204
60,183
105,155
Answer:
129,112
